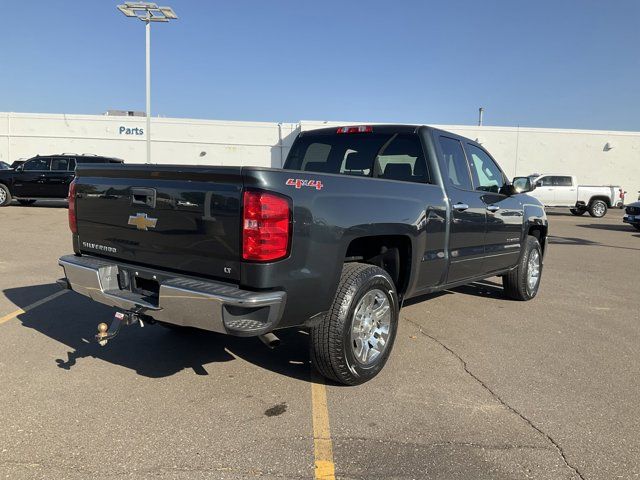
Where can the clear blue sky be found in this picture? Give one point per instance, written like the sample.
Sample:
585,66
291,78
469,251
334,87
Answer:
546,63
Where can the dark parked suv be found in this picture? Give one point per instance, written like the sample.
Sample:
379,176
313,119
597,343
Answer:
44,177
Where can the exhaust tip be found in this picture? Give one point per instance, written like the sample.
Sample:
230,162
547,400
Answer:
270,340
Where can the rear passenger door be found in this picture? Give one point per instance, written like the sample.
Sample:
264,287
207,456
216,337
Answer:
468,212
61,176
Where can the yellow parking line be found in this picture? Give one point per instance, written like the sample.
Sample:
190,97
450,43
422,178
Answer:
12,315
322,447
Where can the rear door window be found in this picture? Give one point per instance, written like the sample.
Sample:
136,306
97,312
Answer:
455,163
60,164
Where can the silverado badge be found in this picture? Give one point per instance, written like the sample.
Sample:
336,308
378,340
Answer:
142,222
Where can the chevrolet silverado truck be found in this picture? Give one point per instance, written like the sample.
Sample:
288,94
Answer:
555,190
359,220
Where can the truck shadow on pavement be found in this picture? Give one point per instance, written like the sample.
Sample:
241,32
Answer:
584,241
605,226
153,351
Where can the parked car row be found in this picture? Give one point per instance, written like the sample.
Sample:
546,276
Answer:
43,177
556,190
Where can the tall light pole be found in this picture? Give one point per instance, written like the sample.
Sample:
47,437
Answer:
148,12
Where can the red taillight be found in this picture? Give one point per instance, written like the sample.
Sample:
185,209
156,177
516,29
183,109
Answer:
356,129
73,220
265,226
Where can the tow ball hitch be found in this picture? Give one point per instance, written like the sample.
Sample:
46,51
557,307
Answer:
107,332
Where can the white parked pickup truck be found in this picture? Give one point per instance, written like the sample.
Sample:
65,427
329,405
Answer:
555,190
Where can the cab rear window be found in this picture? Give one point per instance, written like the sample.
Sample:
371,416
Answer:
389,156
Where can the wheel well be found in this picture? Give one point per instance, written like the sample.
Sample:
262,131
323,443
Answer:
540,232
605,199
390,252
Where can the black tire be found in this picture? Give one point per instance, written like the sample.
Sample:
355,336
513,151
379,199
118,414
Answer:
5,195
332,353
598,208
26,202
516,285
636,226
577,211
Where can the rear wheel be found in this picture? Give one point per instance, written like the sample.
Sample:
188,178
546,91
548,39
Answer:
5,195
522,283
354,340
26,202
598,208
577,211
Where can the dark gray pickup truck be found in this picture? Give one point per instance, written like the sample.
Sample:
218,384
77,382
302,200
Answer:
359,220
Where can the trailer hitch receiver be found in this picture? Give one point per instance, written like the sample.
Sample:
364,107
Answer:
107,332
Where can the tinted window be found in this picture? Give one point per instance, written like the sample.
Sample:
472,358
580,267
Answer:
545,181
487,177
562,181
392,156
58,164
402,159
37,164
455,163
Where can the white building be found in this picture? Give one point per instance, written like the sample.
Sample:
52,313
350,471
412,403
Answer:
596,157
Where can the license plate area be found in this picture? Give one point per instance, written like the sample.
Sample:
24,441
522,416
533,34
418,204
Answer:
140,282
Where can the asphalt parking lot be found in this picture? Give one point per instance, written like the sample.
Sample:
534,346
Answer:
478,387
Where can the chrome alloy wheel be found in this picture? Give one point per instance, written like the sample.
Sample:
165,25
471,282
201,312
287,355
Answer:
370,326
3,196
598,209
533,270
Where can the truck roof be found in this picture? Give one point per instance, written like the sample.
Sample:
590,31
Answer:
386,128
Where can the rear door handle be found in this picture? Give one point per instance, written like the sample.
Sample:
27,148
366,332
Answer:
461,206
493,208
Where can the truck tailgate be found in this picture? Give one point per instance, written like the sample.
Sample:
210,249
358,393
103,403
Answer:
185,219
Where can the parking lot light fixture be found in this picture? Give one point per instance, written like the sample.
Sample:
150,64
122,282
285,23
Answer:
148,12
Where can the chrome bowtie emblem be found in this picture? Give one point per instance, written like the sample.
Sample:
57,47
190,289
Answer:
142,222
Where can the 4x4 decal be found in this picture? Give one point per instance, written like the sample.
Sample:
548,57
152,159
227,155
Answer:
300,182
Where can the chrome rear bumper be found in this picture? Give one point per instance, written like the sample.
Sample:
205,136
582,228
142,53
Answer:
184,301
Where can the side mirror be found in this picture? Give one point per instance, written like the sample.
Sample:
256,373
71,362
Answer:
19,168
522,185
538,184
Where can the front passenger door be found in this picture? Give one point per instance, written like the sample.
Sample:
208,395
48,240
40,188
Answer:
30,181
504,213
545,192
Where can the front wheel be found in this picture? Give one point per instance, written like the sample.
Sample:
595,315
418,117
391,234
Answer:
598,209
522,283
577,211
353,341
5,196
